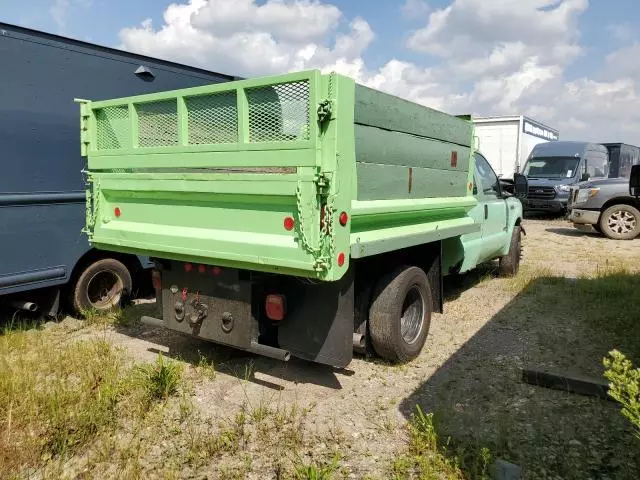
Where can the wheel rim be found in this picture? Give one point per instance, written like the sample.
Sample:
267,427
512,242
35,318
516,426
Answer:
412,319
104,290
621,222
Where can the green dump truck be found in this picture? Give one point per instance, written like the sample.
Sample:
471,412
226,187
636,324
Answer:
300,215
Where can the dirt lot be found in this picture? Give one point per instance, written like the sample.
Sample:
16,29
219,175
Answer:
353,420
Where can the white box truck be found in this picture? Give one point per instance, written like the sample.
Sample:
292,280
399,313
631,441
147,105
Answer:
507,141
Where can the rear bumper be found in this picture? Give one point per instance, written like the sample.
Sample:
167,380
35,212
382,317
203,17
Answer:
227,306
584,217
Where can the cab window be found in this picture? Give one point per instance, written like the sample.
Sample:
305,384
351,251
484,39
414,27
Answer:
596,165
488,179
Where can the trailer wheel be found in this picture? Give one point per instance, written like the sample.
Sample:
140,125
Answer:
101,286
400,315
620,222
510,263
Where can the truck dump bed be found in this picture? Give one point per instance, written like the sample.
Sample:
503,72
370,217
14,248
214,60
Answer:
295,174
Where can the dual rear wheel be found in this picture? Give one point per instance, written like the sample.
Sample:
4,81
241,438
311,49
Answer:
400,314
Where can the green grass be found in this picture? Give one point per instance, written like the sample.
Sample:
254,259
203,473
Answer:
121,317
160,379
59,396
429,456
316,470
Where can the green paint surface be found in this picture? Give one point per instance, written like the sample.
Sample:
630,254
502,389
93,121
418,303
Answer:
209,174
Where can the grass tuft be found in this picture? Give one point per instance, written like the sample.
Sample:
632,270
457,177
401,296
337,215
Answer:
162,378
55,396
428,456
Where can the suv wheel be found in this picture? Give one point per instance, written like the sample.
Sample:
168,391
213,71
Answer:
620,222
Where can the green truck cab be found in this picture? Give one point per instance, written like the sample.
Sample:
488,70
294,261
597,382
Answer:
300,215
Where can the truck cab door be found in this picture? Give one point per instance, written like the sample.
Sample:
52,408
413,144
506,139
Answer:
494,210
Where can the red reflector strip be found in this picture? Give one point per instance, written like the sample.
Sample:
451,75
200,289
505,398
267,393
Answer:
156,279
275,307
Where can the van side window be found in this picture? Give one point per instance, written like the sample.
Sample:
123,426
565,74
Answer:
488,178
596,165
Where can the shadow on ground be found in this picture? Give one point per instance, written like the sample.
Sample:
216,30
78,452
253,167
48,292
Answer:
574,232
554,324
229,360
542,215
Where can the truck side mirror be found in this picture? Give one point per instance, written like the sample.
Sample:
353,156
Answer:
585,176
634,181
521,185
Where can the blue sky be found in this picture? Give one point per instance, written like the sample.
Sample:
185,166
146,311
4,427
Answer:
100,21
400,47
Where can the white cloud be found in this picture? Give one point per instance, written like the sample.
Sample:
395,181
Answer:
468,28
298,22
415,9
491,57
60,10
245,38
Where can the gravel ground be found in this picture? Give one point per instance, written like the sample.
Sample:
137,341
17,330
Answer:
468,374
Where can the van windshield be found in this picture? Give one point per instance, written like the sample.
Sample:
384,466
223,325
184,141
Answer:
551,167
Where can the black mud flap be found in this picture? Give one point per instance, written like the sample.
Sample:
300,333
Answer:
321,328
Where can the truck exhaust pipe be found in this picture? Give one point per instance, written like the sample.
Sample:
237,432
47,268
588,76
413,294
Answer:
26,306
257,348
152,322
271,352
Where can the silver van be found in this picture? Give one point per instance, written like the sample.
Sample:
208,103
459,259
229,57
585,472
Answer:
553,167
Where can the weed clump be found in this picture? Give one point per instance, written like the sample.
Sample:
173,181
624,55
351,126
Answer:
624,386
160,379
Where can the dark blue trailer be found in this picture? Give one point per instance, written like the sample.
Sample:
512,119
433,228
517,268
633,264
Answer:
42,199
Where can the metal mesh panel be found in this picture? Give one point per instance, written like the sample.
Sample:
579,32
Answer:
157,123
213,118
279,112
112,127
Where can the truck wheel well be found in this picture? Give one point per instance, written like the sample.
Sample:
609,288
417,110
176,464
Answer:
426,256
130,261
632,202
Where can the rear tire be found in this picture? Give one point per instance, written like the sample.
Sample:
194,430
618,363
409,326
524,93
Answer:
510,263
400,315
101,286
620,222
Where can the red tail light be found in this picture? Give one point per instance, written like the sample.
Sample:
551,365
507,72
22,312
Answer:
275,306
289,223
344,218
188,267
156,279
202,268
117,212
